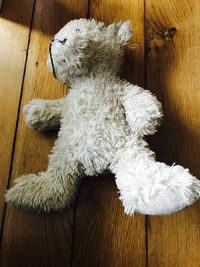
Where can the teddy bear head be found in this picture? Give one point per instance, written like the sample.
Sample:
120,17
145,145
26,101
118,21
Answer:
86,46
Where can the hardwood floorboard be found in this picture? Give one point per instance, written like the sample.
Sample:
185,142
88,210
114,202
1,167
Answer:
13,56
31,239
172,72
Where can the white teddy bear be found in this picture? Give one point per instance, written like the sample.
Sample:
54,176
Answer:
102,123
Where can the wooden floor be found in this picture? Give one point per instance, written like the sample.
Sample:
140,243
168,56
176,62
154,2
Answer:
94,231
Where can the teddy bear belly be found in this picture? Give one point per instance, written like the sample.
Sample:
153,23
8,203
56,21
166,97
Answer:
94,145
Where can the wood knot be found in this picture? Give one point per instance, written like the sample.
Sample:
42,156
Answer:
169,33
155,41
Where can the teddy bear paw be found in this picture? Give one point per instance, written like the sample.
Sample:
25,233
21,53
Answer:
38,192
34,114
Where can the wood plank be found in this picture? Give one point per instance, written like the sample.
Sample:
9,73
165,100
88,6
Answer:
103,235
31,239
172,70
12,50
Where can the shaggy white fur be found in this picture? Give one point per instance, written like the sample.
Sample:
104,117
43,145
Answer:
102,123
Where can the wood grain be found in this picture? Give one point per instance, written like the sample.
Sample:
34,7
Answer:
12,51
103,235
31,239
172,72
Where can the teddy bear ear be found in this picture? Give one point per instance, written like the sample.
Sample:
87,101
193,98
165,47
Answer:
124,32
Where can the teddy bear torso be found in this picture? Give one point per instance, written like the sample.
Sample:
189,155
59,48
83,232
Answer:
93,123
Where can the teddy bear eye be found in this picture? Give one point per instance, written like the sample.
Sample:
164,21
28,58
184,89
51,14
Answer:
77,30
63,41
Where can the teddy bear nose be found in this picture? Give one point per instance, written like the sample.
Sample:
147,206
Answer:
63,41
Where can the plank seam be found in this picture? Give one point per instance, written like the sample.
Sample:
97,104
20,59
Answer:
145,70
88,10
17,119
1,5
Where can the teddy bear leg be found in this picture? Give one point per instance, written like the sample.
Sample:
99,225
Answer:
42,114
151,187
53,189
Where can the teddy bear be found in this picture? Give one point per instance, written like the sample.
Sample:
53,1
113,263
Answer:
102,124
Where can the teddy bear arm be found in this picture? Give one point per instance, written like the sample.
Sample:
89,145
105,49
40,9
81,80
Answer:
42,114
142,109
